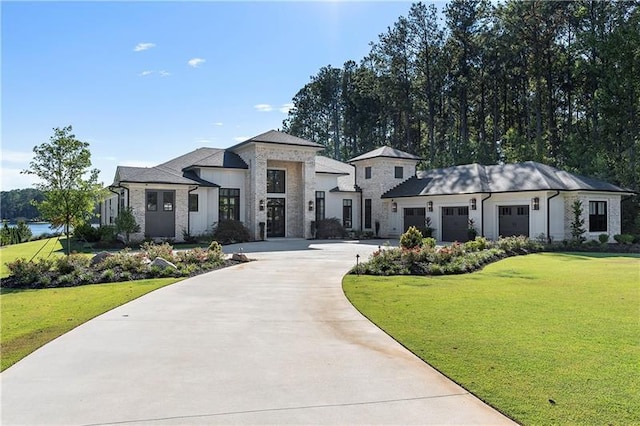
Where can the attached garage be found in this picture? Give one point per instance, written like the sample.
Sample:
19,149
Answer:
513,220
414,217
455,222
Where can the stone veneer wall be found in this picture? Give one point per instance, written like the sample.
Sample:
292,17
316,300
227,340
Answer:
614,214
257,155
382,179
137,198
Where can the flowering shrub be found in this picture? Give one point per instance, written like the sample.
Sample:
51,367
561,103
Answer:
411,238
153,250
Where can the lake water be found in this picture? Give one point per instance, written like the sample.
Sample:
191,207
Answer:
38,229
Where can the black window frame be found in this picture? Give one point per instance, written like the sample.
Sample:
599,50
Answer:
367,172
598,219
194,202
347,213
229,204
367,213
276,181
398,172
320,206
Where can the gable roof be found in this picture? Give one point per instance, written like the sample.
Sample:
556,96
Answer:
279,138
157,174
386,151
475,178
206,157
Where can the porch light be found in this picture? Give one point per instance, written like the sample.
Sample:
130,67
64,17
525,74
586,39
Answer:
535,203
261,205
310,205
394,206
472,204
429,206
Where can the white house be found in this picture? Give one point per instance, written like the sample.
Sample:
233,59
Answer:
278,185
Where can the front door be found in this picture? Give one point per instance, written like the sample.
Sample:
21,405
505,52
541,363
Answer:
275,217
160,216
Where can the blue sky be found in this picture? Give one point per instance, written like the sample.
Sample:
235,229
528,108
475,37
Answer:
144,82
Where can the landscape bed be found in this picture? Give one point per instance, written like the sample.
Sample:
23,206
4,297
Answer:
548,338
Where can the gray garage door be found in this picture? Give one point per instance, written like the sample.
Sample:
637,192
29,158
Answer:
513,220
455,222
414,217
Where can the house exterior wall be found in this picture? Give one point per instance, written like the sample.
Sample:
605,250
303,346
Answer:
614,214
334,200
382,179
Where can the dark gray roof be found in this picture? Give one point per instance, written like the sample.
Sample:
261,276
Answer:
157,175
331,166
475,178
206,157
279,138
387,152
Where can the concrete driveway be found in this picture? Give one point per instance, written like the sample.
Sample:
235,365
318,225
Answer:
268,342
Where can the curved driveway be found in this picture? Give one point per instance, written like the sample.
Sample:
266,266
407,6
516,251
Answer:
267,342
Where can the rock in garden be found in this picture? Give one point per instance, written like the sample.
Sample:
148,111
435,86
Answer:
239,257
161,263
99,257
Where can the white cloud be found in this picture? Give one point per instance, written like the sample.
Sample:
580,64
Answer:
195,62
286,108
218,123
17,156
164,73
13,179
240,138
143,46
263,107
145,73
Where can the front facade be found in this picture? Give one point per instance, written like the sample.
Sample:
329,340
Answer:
278,186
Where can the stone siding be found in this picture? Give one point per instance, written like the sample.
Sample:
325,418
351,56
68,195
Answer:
614,214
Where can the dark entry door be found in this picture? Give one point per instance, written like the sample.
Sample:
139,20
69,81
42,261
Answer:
513,220
414,217
160,216
455,222
275,217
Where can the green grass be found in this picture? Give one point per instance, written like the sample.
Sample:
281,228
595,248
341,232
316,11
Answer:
31,318
39,248
525,331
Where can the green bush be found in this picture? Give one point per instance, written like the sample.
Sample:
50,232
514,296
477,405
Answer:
68,264
30,273
330,228
152,250
623,238
429,242
230,232
411,238
86,232
603,238
477,244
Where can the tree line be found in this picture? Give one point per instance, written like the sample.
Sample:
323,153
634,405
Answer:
19,204
551,81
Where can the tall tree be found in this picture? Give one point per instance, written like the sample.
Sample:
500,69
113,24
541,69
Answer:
70,186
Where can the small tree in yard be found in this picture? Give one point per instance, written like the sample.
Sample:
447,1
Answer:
577,224
126,223
71,189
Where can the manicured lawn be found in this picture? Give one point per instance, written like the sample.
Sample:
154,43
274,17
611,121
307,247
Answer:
39,248
546,338
31,318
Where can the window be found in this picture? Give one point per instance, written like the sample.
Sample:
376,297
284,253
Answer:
229,200
167,201
275,181
367,172
347,210
193,202
319,205
152,201
597,216
367,213
398,172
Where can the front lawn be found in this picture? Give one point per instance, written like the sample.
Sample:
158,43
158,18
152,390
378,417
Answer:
31,318
549,338
39,248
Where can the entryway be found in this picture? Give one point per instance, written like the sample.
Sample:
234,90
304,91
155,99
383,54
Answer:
276,217
160,217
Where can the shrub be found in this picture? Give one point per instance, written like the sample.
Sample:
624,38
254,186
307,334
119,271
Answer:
29,273
86,232
231,231
577,224
623,238
603,238
152,250
216,248
330,228
477,244
123,261
411,238
73,262
126,223
429,242
107,233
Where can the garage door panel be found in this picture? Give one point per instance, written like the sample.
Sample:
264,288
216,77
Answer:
414,216
455,221
513,220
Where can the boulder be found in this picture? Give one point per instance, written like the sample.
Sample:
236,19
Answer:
239,257
99,257
162,263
